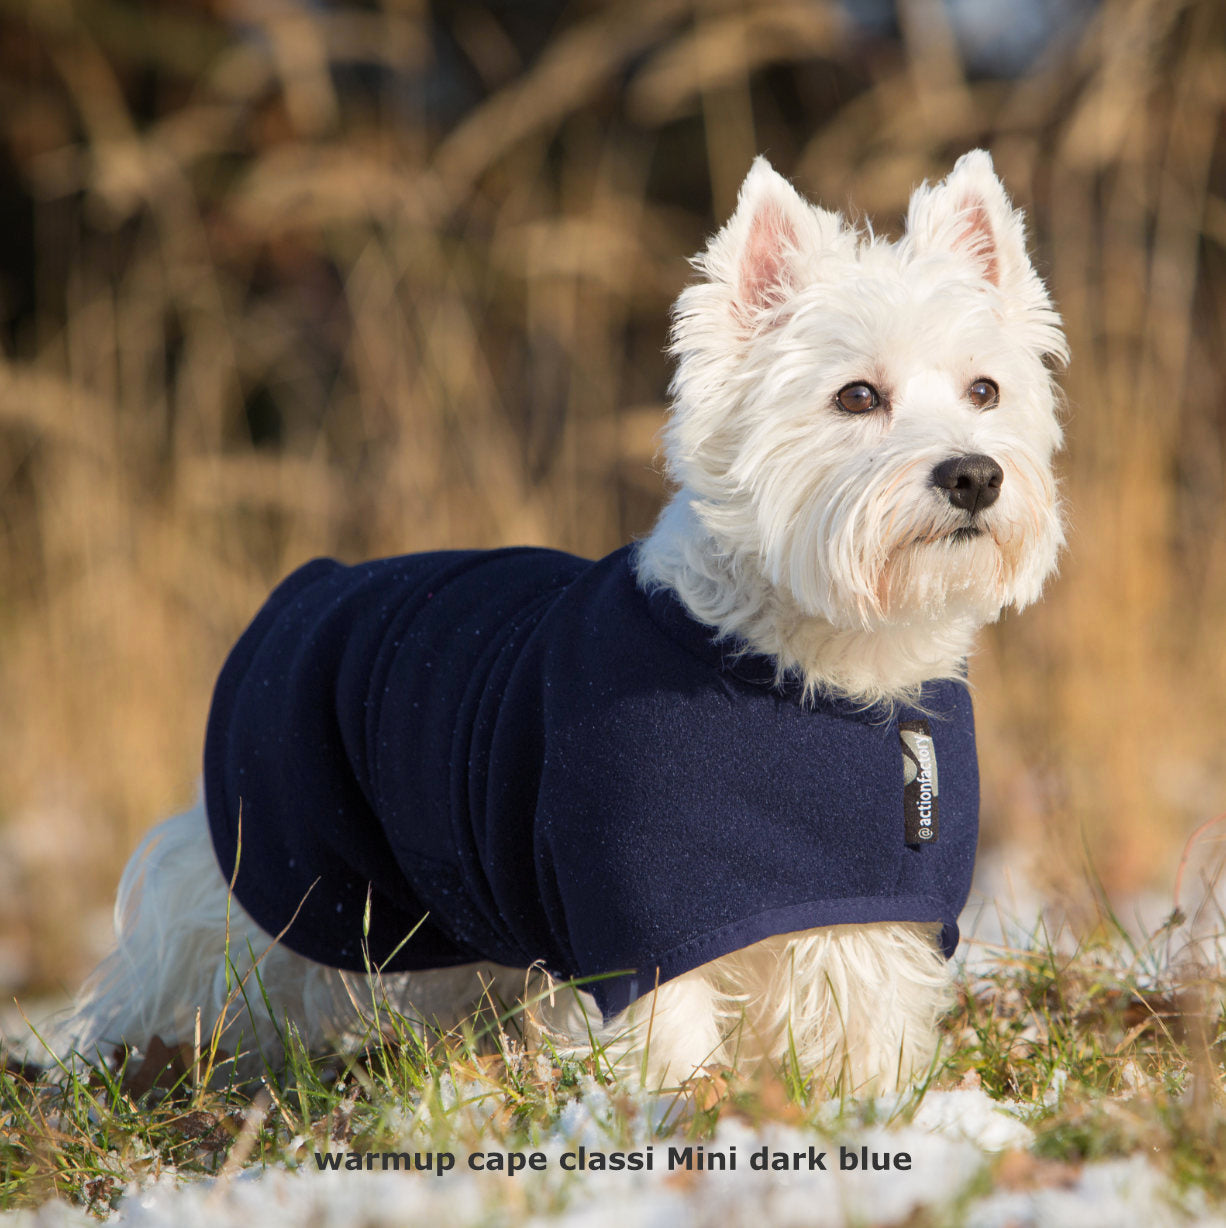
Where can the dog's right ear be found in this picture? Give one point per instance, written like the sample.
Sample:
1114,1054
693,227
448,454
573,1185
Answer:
766,227
760,254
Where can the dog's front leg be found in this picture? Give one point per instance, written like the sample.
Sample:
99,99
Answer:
661,1039
853,1008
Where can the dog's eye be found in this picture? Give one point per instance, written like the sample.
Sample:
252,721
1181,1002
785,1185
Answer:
984,393
858,398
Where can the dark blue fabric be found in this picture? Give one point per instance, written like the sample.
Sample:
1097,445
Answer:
549,764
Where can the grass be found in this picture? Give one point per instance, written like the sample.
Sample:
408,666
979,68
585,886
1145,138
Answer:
1105,1049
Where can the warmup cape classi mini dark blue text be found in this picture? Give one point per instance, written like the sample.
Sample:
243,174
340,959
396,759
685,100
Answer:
552,765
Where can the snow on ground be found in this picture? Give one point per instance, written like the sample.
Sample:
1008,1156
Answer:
969,1163
948,1145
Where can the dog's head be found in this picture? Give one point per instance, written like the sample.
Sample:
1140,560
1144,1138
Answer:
870,425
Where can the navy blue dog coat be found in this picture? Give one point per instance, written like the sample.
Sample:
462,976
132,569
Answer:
549,764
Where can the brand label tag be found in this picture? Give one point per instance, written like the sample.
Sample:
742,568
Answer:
920,785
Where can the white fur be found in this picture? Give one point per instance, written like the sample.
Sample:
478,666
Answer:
815,536
818,538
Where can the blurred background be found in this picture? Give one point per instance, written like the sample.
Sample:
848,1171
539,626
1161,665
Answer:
282,278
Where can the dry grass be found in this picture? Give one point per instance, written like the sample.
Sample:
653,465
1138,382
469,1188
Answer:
1106,1051
260,310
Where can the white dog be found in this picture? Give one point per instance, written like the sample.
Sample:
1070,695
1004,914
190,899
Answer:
724,778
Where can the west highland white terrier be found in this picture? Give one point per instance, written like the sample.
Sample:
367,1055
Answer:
710,800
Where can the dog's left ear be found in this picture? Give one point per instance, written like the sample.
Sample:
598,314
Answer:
969,214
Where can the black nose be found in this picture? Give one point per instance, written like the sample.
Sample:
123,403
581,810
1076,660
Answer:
971,482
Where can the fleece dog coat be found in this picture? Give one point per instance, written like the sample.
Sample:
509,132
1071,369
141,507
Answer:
522,756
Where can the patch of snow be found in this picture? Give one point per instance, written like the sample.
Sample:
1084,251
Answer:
948,1144
972,1115
1104,1195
